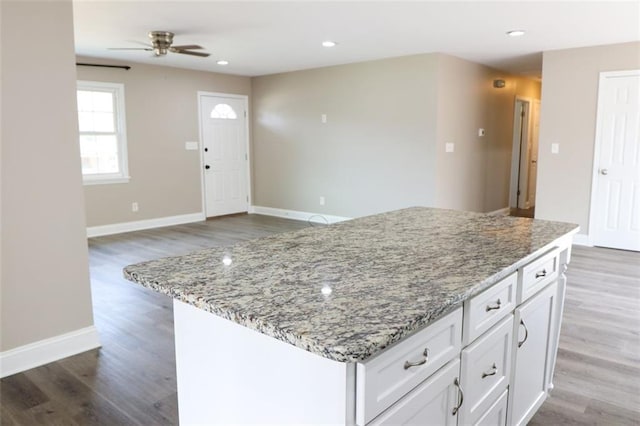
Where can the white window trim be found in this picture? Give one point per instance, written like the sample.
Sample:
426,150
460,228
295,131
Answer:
118,92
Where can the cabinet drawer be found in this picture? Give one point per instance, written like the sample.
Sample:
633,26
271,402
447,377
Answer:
431,403
385,378
486,370
496,415
481,312
537,274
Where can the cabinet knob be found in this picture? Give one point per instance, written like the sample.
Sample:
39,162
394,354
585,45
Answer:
526,333
491,372
541,274
495,306
409,364
456,382
604,172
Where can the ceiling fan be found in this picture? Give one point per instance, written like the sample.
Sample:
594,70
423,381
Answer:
161,45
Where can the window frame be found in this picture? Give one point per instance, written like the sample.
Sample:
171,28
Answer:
117,90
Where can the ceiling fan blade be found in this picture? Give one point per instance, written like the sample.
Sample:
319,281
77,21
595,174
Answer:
187,46
130,48
188,52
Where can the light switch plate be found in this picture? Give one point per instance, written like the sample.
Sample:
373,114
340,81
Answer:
555,148
449,147
323,118
191,146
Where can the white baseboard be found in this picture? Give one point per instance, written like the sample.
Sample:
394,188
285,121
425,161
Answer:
582,240
503,211
297,215
118,228
48,350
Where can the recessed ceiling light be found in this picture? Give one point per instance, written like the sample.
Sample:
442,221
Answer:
329,43
222,62
515,33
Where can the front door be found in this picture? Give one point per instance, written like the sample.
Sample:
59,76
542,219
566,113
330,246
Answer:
616,204
224,144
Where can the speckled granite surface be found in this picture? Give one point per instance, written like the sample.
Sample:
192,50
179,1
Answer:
348,290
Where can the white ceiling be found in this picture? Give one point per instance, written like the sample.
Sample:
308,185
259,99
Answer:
266,37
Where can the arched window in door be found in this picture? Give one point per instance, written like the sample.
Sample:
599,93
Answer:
223,111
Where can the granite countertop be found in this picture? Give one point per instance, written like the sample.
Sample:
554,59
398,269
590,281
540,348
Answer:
348,290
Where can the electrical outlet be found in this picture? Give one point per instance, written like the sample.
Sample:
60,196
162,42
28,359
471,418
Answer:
134,206
449,147
322,201
323,118
555,148
481,132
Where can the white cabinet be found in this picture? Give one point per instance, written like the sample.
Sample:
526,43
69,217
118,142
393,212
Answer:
496,415
385,378
486,370
434,402
483,311
532,354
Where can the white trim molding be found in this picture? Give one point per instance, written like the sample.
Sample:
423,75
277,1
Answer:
500,212
48,350
297,215
139,225
582,240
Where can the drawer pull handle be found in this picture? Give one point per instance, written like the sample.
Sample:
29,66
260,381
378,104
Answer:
457,408
492,307
526,334
425,354
541,274
491,372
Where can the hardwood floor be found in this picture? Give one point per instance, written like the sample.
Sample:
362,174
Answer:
131,379
597,377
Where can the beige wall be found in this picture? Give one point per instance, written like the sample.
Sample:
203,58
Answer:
162,114
45,277
568,117
376,151
383,145
476,175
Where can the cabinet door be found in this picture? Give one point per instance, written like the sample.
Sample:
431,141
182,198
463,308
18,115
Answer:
435,402
534,322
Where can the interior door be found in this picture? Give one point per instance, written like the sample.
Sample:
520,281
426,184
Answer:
533,153
616,205
520,155
224,144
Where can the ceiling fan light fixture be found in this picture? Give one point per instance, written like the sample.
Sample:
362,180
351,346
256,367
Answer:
329,43
516,33
222,62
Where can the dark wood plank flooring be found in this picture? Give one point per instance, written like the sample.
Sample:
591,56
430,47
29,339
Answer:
131,379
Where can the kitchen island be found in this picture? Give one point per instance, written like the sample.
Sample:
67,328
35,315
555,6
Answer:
314,326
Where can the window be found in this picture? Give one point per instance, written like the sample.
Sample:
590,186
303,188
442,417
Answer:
103,144
223,111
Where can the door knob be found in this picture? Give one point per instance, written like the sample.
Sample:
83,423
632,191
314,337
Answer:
207,167
604,171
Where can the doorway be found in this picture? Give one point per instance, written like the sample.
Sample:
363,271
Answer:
614,219
224,153
524,160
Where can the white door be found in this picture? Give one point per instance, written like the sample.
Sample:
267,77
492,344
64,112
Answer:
615,208
225,161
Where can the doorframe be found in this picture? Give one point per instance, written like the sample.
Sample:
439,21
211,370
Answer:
595,169
515,149
245,98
